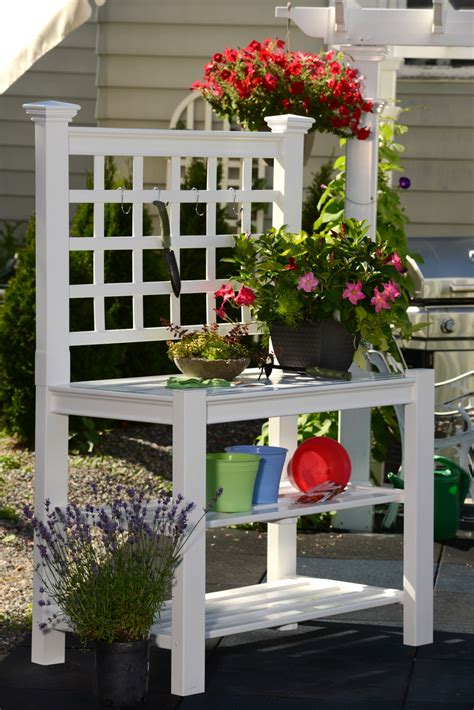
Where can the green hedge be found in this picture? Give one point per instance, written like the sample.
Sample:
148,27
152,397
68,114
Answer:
17,321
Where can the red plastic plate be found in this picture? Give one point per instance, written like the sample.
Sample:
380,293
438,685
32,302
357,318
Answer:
319,460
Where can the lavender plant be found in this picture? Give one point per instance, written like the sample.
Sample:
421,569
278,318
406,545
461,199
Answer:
109,570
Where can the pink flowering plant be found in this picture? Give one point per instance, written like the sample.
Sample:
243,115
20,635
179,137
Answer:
265,79
335,273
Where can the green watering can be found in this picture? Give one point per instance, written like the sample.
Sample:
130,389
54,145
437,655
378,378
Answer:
451,486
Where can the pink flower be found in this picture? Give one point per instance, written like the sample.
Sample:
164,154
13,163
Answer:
245,297
395,261
308,282
353,292
391,290
221,312
379,300
226,292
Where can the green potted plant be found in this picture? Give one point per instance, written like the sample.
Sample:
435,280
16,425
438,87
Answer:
209,354
107,572
265,79
310,289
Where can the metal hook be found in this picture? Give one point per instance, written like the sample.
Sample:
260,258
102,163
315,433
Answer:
234,209
199,214
121,203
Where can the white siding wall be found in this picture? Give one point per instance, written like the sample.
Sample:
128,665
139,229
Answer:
150,52
65,73
439,150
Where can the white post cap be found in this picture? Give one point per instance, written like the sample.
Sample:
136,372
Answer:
52,111
289,123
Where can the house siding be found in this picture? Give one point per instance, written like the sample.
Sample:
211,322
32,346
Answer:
65,73
439,156
148,55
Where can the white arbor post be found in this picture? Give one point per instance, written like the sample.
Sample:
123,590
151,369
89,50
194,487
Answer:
362,156
51,120
361,204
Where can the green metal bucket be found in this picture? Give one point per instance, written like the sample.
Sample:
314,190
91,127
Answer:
235,473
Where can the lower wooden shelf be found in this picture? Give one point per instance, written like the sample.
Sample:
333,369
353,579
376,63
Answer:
273,604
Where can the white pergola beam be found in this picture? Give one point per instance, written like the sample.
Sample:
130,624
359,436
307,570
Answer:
348,23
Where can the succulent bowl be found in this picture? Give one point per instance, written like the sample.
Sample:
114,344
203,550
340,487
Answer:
208,369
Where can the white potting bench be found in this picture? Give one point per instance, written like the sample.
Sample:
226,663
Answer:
285,598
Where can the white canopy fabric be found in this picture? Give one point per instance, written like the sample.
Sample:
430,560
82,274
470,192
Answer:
30,28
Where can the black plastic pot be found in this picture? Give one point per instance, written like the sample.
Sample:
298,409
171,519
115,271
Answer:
325,343
122,673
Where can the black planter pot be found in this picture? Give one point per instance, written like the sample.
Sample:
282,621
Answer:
122,673
324,343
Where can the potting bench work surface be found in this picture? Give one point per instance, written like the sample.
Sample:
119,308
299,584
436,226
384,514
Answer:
353,661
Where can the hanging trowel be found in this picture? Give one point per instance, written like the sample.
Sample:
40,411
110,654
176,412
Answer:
170,258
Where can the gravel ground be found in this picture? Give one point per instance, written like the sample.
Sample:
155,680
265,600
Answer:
128,454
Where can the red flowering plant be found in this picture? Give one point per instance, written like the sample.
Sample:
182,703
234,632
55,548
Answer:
335,273
265,79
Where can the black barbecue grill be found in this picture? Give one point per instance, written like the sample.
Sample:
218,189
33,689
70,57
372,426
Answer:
444,298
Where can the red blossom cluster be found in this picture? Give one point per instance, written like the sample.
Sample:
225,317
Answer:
264,79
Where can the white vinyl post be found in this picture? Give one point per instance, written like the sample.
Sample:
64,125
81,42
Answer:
418,513
51,120
288,179
188,606
362,156
288,169
361,204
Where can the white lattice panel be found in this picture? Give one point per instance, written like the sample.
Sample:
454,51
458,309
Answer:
178,147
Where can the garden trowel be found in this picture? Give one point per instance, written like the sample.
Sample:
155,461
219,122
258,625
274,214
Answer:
170,258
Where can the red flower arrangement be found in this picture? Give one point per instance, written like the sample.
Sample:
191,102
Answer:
264,79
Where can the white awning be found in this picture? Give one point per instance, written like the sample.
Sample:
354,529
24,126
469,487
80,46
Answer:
30,28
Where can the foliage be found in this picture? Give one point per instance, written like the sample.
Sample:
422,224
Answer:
191,222
208,343
17,345
314,193
264,79
18,325
9,243
334,273
109,570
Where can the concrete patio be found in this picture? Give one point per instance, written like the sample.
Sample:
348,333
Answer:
350,661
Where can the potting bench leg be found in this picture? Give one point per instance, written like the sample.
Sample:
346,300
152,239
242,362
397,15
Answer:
51,481
281,542
354,435
188,608
418,513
